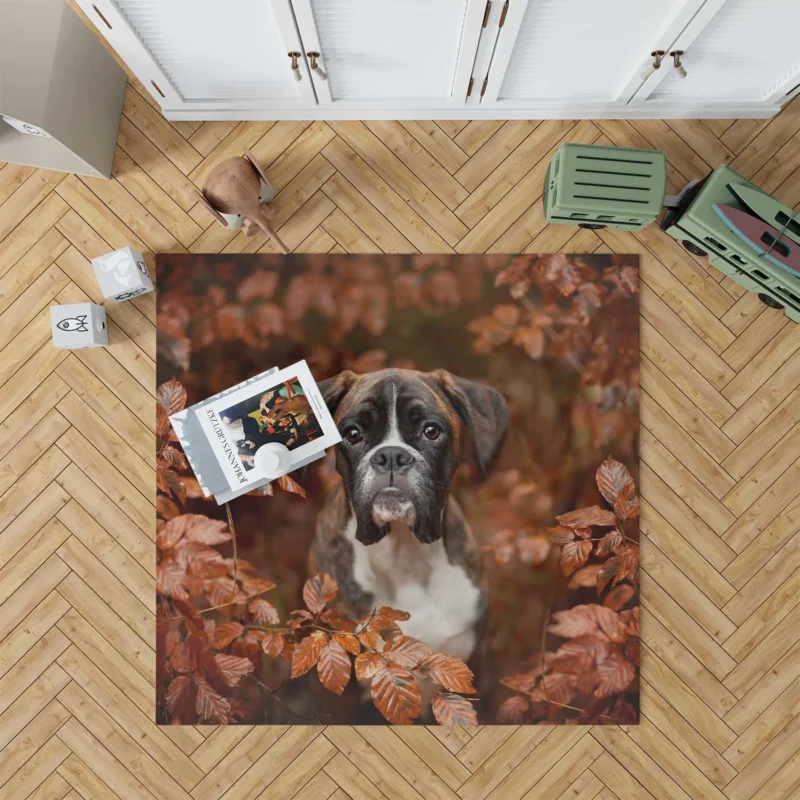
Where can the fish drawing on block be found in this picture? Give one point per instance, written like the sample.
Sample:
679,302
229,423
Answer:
77,324
764,239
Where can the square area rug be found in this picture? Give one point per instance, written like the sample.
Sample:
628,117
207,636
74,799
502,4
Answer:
468,554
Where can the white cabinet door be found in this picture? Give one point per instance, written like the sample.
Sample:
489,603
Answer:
745,51
578,54
388,53
208,54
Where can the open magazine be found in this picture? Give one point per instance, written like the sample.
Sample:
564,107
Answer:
250,434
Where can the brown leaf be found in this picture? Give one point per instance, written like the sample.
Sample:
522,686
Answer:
272,644
584,517
574,555
453,709
224,634
610,569
180,696
559,535
385,614
611,477
523,682
613,675
628,557
371,639
396,694
449,671
619,596
588,619
627,503
608,543
170,578
336,619
233,667
307,652
171,396
405,651
318,591
211,706
580,654
289,485
166,508
584,577
256,585
367,664
264,613
631,620
333,667
512,711
534,550
558,687
348,641
195,527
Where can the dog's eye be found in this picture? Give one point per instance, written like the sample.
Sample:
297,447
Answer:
432,432
353,435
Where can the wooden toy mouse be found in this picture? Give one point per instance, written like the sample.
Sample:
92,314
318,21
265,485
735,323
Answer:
233,194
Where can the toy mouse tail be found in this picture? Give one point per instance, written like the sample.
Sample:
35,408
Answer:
270,231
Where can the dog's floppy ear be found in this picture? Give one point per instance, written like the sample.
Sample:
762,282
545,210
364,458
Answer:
484,412
334,389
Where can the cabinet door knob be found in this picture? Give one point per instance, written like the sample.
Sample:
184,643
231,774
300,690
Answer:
315,68
676,60
651,68
295,65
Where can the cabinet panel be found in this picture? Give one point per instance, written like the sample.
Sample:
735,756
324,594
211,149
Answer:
382,51
579,51
205,52
748,51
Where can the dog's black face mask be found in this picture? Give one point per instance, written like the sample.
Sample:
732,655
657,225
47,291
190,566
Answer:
401,434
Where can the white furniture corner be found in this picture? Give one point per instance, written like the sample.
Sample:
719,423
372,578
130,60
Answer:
440,59
56,77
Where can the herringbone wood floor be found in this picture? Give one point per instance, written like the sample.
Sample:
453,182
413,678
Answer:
720,471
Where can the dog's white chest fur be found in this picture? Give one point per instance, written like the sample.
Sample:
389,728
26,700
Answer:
402,572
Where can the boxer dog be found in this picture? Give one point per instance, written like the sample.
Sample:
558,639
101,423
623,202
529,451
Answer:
390,533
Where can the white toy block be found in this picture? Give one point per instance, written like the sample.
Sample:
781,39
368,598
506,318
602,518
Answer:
122,274
78,325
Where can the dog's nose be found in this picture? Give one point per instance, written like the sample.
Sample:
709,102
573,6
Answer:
394,459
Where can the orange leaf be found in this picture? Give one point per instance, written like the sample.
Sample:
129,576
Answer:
336,619
619,596
211,706
307,652
367,664
449,671
319,590
627,502
405,651
348,641
233,667
333,667
171,396
588,619
371,639
272,644
264,613
453,709
609,542
224,634
170,579
585,577
396,694
613,675
289,485
195,527
512,711
612,476
584,517
574,555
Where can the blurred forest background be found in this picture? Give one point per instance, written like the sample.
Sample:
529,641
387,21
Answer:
556,334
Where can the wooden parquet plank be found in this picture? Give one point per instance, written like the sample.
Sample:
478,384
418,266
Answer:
720,469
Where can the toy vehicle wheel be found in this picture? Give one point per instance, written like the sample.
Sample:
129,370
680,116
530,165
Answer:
769,301
693,248
592,226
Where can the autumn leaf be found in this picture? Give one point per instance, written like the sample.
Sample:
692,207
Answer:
170,580
233,667
405,651
336,619
584,577
348,641
318,591
580,654
613,675
367,664
256,585
533,550
588,619
333,667
585,517
371,639
396,695
619,596
627,503
385,614
289,485
556,687
272,644
574,555
608,543
559,535
307,652
224,634
453,709
612,476
172,396
449,671
523,682
264,613
194,527
180,695
211,706
512,711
